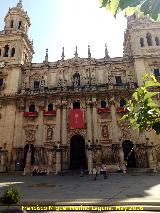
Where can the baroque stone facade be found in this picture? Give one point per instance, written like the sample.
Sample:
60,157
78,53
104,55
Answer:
36,98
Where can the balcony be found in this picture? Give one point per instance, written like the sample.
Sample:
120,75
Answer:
121,109
30,114
103,110
49,113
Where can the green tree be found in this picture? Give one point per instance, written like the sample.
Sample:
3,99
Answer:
143,108
145,7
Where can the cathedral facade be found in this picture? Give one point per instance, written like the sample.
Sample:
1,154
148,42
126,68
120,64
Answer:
66,114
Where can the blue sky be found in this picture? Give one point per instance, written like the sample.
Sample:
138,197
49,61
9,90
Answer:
58,23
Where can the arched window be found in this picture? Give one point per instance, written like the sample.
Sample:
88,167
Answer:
1,82
157,41
76,105
76,79
50,107
103,104
11,24
36,84
149,39
12,52
142,42
32,108
122,103
20,24
6,49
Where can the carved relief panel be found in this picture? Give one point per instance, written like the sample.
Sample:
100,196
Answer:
30,133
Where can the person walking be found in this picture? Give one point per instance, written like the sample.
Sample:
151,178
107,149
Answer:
105,172
94,173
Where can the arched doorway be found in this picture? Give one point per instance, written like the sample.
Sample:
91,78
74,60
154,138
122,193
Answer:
77,152
129,155
26,148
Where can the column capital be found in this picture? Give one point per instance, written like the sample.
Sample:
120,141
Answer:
64,104
58,104
88,103
112,100
94,102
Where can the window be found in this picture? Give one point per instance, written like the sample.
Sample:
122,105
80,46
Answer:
0,52
6,49
103,104
149,39
36,84
157,74
13,52
1,82
76,79
118,80
142,42
50,107
122,102
32,108
19,25
76,105
11,25
157,41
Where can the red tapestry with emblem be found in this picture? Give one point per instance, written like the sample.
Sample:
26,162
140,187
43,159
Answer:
76,118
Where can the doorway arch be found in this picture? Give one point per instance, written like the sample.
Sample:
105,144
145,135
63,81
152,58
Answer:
77,152
26,148
129,155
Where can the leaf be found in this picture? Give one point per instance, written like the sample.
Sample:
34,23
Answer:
149,95
123,4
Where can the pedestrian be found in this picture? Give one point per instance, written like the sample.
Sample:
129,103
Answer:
102,171
94,172
105,172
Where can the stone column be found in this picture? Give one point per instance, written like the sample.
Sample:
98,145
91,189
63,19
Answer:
115,129
121,157
64,123
27,169
95,120
3,160
58,160
152,160
58,123
40,132
90,160
50,160
89,122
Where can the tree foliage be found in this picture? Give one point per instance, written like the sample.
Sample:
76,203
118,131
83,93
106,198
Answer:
145,7
143,109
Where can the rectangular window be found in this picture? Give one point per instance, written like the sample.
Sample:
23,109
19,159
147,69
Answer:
157,74
118,80
1,82
36,84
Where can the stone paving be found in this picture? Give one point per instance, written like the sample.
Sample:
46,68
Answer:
139,188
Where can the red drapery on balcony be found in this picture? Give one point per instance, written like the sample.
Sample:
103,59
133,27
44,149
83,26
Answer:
121,109
49,113
103,110
76,119
30,114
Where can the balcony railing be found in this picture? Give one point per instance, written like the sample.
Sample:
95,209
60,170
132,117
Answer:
30,114
81,88
49,113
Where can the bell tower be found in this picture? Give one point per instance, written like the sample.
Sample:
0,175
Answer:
142,44
15,46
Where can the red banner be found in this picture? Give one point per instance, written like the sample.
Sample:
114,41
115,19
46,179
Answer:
76,118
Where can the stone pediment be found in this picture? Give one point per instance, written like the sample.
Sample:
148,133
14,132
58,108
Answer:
76,61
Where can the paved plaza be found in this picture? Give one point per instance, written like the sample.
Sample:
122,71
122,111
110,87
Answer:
71,188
